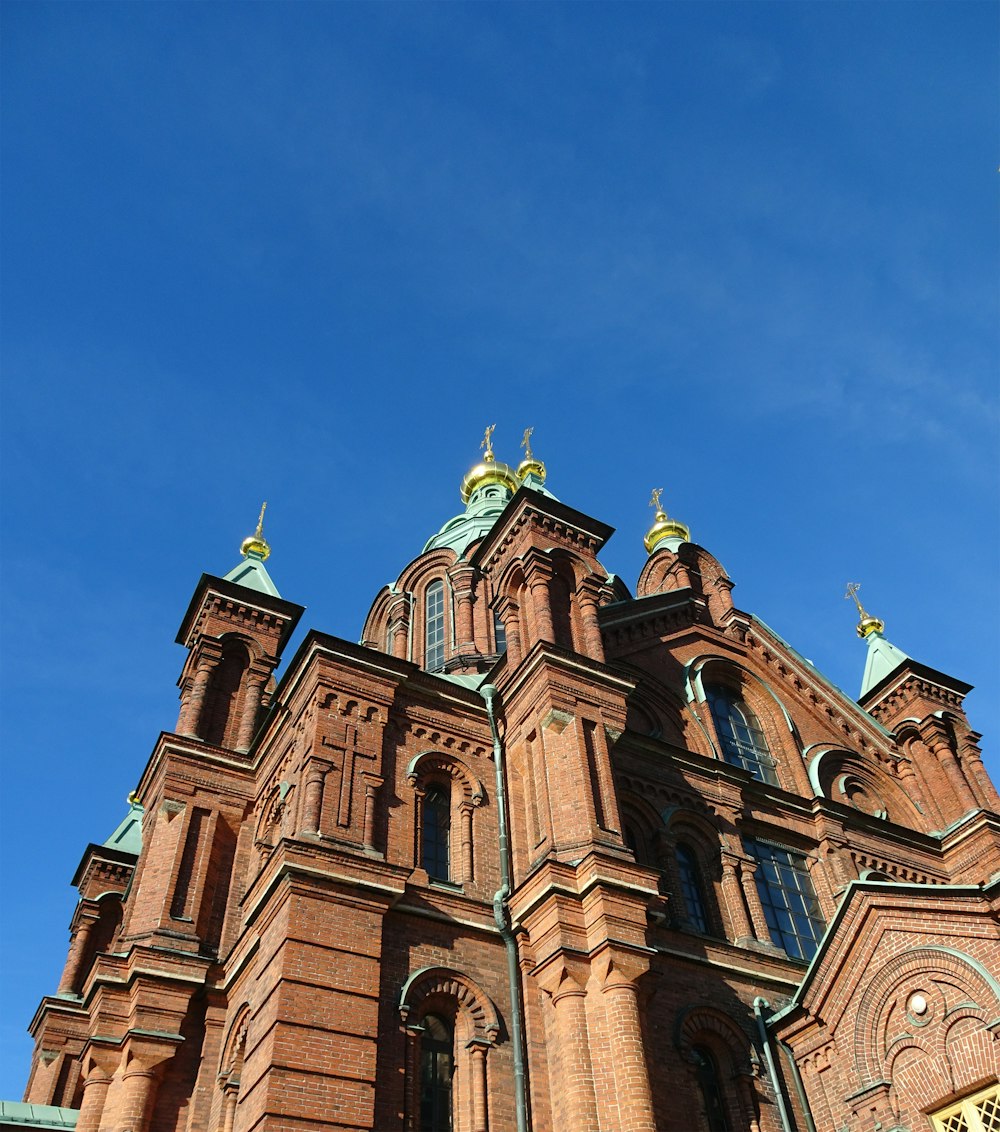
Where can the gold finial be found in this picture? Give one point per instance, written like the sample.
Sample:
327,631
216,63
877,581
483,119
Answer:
529,466
663,528
487,443
256,544
867,624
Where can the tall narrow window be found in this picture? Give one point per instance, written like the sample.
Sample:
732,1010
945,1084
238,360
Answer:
707,1075
435,849
743,742
691,889
436,1068
499,633
786,894
434,627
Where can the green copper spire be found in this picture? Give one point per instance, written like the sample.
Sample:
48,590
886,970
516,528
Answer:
883,656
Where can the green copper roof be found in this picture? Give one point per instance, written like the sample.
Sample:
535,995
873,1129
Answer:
483,509
883,658
252,573
128,836
481,512
20,1114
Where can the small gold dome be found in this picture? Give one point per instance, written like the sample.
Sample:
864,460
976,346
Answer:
529,466
663,527
256,544
868,625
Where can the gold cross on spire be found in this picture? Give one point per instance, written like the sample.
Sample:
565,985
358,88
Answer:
867,624
487,443
526,443
654,499
852,593
260,520
256,543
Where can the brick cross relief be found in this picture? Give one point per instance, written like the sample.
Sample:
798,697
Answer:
344,739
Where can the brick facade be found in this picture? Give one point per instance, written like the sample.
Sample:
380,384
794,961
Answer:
322,889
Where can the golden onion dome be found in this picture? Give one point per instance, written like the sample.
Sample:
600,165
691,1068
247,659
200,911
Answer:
489,471
663,527
530,466
256,544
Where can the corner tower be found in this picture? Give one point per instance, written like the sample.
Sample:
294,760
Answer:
234,630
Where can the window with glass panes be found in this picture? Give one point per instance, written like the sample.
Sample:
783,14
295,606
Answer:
786,894
691,891
742,740
979,1113
436,1069
435,847
434,627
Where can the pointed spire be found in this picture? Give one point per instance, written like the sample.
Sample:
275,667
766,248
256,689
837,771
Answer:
664,529
883,656
530,471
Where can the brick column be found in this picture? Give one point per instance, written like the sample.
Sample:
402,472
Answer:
465,810
230,1095
372,784
99,1068
910,783
399,621
589,595
461,579
635,1102
70,981
748,873
508,611
138,1094
574,1100
312,803
941,749
251,706
538,575
477,1052
191,705
732,891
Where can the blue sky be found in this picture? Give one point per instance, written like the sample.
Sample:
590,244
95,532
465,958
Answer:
306,253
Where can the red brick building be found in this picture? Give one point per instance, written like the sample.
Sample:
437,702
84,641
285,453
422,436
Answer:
538,853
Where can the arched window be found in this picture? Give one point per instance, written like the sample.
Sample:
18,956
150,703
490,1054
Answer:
742,740
692,895
434,627
437,1063
435,848
709,1085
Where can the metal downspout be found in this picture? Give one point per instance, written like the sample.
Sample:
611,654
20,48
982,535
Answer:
759,1004
800,1088
501,913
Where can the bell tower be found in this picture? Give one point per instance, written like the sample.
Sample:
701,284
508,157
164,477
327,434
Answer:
234,630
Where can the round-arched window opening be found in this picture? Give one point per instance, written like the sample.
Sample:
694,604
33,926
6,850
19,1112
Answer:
706,1071
437,1065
